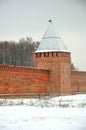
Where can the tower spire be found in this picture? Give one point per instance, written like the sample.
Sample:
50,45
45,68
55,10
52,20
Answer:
50,41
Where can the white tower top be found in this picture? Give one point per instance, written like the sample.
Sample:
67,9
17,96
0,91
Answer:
51,42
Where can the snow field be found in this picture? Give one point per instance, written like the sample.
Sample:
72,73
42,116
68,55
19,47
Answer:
48,113
32,118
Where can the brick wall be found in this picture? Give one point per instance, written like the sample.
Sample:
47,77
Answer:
57,80
78,82
15,80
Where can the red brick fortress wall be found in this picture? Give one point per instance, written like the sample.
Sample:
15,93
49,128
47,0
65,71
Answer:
78,82
19,80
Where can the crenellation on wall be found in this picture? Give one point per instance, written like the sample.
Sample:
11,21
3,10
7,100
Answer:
21,69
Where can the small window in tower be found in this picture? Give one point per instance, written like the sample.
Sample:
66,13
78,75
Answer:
38,54
56,53
46,54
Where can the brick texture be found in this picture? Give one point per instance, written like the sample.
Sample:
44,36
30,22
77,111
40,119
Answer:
78,82
14,80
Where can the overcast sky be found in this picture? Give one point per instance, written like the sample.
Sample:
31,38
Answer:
29,18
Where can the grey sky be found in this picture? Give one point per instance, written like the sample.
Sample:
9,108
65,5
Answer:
29,18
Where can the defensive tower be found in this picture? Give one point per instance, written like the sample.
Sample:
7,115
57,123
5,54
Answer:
52,54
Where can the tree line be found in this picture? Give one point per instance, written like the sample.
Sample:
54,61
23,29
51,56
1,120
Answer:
17,53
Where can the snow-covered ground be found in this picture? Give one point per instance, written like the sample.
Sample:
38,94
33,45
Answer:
60,101
57,113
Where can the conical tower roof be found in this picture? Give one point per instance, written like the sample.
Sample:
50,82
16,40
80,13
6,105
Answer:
51,42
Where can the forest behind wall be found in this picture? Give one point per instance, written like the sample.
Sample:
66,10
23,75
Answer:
17,53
